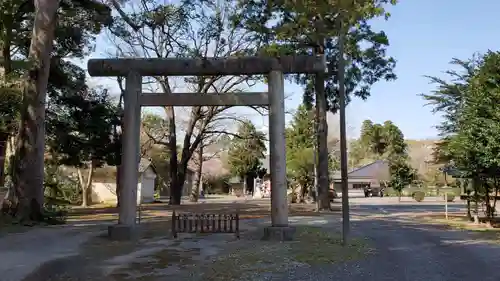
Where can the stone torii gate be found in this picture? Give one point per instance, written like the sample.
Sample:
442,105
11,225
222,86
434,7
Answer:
134,69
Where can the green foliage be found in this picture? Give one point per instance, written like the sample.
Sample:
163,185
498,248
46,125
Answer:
471,128
385,141
418,196
246,151
447,100
78,24
474,146
401,174
60,188
294,27
300,138
378,141
10,103
80,128
55,213
299,147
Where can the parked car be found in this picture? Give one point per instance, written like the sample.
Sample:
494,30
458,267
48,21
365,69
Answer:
371,192
368,191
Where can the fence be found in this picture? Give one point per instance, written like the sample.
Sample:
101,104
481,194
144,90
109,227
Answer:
205,223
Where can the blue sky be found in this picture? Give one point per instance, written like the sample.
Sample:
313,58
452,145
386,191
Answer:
424,36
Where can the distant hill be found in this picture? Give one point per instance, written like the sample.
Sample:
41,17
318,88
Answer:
420,152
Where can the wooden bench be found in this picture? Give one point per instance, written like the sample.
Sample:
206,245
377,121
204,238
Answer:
205,223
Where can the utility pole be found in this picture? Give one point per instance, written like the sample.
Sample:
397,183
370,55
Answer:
343,140
316,189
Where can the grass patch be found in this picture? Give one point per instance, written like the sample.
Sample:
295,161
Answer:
461,222
316,246
312,246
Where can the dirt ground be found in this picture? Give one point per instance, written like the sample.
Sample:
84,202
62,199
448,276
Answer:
219,257
156,254
163,210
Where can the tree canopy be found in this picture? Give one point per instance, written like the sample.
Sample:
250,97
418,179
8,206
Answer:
471,130
246,151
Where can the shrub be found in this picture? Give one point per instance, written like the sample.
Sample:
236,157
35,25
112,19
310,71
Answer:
419,196
450,197
55,213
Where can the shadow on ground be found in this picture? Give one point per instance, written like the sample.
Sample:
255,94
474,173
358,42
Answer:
391,249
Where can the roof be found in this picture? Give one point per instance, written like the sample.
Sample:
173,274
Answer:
369,171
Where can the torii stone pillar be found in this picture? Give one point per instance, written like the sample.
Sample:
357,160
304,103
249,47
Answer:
134,69
277,146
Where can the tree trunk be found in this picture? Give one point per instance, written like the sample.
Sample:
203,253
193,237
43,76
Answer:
195,192
175,185
30,141
469,215
489,212
86,186
249,186
5,70
301,192
322,148
322,134
494,207
118,183
4,138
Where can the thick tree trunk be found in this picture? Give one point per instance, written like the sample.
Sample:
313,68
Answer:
177,185
4,138
322,127
30,143
322,148
195,192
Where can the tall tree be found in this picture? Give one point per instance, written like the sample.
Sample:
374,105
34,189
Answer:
303,27
400,173
394,140
30,143
475,147
447,100
29,32
377,141
194,29
80,129
246,152
299,150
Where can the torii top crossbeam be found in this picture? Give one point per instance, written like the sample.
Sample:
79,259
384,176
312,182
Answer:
206,66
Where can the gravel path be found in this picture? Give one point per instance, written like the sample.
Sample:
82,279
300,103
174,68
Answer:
404,252
409,252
